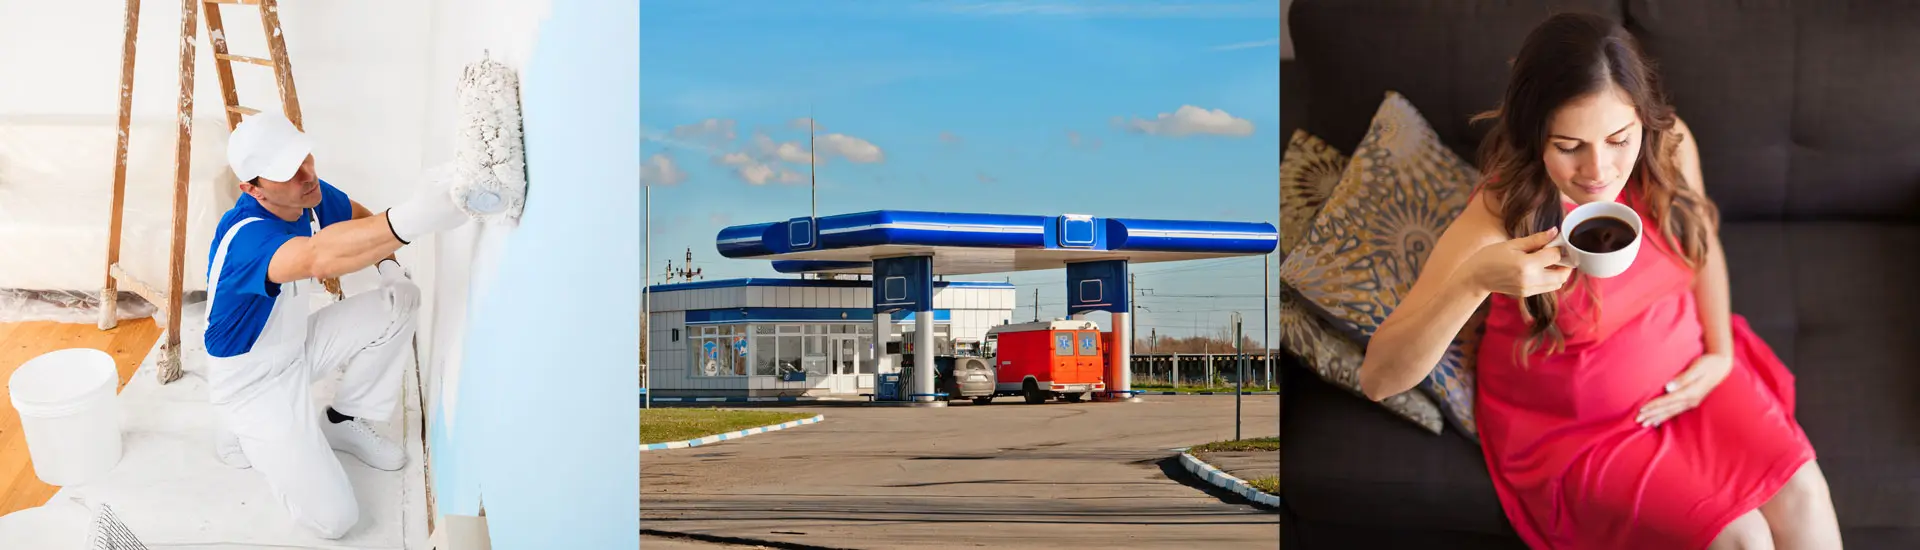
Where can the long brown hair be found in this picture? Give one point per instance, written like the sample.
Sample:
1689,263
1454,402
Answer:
1567,57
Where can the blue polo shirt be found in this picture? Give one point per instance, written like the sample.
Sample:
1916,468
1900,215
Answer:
242,294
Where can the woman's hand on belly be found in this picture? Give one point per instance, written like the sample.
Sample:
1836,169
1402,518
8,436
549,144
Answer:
1687,390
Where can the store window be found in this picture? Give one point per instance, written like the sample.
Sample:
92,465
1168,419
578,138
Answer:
766,350
717,350
788,358
815,359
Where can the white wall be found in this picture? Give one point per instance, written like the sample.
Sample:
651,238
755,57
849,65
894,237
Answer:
461,32
548,367
358,69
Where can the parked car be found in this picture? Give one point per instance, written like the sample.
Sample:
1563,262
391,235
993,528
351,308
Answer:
959,371
966,377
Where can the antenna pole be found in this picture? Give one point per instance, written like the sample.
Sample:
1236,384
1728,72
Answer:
812,183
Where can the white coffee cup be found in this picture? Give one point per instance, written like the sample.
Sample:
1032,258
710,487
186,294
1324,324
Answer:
1598,264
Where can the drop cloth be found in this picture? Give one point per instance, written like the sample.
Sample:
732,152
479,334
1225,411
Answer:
171,492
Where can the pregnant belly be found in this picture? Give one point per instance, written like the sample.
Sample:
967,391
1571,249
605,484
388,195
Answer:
1598,379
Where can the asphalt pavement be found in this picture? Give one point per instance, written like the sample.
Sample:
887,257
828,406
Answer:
1006,475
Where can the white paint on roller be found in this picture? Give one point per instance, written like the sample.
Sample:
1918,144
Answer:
489,156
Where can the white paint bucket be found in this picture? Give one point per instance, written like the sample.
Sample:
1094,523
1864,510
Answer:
68,411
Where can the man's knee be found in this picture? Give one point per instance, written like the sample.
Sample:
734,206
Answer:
330,520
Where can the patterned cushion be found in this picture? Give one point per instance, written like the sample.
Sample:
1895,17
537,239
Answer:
1308,173
1336,359
1366,247
1451,382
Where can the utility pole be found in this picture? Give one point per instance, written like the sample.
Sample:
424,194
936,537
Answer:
813,212
646,303
1036,304
1153,341
1241,361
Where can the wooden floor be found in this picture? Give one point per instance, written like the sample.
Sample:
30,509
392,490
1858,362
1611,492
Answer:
19,342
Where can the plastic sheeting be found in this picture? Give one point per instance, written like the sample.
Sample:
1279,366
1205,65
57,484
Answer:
171,490
67,306
56,193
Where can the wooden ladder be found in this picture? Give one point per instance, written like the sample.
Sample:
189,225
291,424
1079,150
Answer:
190,12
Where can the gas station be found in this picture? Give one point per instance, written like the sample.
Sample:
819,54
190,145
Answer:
901,255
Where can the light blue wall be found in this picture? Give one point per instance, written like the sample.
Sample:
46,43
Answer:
547,436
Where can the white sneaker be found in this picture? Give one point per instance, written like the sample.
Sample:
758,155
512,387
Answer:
227,448
358,439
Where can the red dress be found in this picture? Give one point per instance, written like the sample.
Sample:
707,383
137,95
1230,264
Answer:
1570,465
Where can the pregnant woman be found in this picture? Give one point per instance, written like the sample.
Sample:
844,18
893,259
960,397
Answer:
1633,411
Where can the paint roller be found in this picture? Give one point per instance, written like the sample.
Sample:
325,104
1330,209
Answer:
489,159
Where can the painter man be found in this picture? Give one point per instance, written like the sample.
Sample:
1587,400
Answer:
267,345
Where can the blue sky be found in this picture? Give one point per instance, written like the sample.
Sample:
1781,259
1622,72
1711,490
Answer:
1113,108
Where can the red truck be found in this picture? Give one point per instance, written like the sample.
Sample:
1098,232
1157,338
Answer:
1047,359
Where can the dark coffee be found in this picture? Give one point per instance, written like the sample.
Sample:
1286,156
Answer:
1601,234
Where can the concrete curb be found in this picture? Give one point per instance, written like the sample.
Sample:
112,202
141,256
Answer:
1227,481
729,435
1199,395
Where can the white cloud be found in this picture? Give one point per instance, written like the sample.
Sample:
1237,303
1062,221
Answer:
790,151
736,159
765,160
720,218
758,172
745,167
710,130
1189,120
802,123
660,169
755,173
1247,45
850,148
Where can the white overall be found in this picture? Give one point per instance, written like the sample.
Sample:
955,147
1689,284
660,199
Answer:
262,395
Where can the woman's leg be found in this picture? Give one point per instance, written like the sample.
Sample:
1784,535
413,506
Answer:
1747,532
1801,514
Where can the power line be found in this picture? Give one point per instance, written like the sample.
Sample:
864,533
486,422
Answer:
1197,265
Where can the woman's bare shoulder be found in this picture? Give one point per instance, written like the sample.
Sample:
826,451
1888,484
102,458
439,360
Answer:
1478,223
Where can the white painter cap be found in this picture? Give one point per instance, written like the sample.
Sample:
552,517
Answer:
267,145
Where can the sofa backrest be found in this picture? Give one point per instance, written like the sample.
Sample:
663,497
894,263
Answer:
1804,110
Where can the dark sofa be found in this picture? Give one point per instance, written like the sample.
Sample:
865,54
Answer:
1808,117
